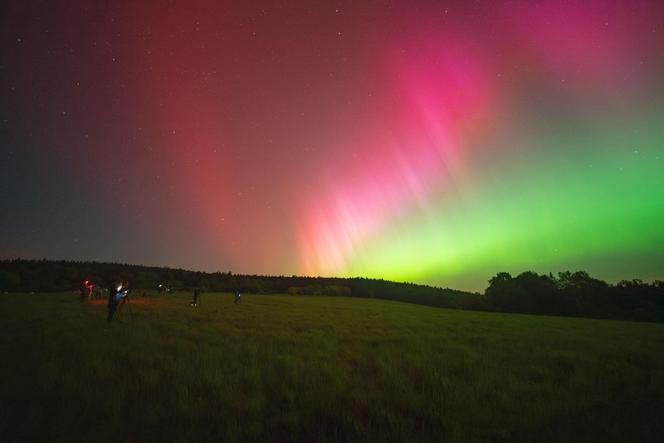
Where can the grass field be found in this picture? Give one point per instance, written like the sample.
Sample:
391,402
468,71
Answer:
284,368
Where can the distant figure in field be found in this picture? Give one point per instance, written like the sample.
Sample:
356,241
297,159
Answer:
112,300
89,287
116,294
83,291
238,297
197,294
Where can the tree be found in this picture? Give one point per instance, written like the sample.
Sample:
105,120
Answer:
10,280
500,277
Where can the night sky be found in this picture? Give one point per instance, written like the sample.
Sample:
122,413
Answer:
435,142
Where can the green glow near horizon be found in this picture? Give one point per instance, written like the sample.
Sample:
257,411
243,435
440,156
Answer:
553,210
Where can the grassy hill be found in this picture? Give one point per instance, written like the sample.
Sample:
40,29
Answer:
302,368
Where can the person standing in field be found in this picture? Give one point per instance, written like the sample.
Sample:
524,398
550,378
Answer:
197,294
89,287
83,291
113,291
237,297
116,294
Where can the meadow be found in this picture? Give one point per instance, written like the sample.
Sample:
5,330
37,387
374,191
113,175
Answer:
298,368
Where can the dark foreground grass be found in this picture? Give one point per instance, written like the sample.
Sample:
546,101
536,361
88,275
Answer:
282,368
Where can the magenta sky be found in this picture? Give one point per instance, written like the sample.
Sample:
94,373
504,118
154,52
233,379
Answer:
438,142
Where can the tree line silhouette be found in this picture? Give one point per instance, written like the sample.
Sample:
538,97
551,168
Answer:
568,294
576,294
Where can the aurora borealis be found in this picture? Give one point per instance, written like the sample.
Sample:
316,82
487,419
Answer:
434,142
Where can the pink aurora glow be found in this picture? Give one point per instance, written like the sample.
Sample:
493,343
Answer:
447,96
454,86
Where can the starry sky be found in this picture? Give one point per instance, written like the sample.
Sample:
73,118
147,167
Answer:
427,141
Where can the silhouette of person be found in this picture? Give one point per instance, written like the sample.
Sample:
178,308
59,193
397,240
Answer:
116,294
237,297
113,299
197,294
84,291
89,287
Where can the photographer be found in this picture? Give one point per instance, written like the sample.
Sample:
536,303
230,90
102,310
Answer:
116,294
88,288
